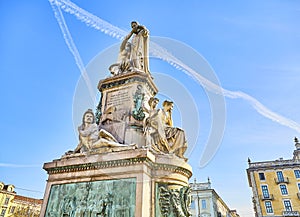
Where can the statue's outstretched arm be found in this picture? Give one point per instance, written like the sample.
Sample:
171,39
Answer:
125,40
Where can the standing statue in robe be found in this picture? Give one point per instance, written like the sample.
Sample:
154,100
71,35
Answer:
140,44
174,135
134,55
161,136
154,128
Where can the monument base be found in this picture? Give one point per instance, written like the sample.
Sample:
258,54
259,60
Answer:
133,183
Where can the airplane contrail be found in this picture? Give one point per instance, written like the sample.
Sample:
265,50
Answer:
71,45
259,107
89,19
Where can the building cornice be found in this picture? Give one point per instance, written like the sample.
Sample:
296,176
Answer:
277,164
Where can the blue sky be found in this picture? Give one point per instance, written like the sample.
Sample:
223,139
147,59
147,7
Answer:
252,47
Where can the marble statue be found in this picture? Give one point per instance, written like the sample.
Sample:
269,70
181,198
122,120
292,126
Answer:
124,63
139,50
91,138
134,55
161,136
154,128
174,135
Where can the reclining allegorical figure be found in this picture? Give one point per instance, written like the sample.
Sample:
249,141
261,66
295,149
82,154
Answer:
91,138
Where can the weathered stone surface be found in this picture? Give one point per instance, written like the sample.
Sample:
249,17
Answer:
120,110
141,165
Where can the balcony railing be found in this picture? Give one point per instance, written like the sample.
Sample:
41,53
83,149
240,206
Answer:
266,197
283,180
291,213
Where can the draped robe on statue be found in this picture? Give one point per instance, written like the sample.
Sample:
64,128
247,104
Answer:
162,136
139,50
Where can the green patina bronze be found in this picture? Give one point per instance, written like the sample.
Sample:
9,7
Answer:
138,98
98,111
106,198
172,202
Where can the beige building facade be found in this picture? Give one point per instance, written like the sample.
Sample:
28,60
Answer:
276,185
13,205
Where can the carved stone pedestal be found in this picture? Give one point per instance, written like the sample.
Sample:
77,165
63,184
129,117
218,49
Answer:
130,183
120,109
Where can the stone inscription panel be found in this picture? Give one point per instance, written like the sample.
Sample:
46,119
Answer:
106,198
118,98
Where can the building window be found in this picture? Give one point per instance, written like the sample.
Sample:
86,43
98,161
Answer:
192,204
297,174
299,186
280,176
12,209
6,201
287,205
3,212
265,191
283,190
262,176
203,204
269,207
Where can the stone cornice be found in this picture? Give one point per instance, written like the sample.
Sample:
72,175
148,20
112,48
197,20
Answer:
119,163
173,168
273,164
128,78
95,165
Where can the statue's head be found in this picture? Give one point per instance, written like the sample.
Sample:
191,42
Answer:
153,100
134,24
168,105
88,117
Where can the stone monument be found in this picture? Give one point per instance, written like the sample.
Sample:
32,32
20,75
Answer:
129,161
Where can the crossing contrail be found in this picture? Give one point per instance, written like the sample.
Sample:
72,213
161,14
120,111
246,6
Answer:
156,51
71,45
